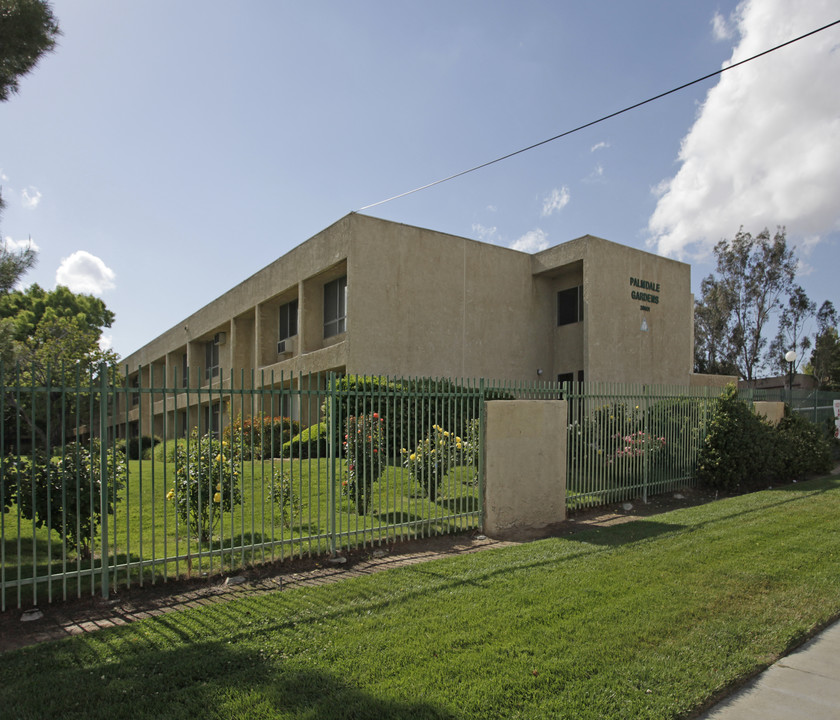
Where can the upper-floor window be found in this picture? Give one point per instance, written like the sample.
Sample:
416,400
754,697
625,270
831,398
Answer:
211,355
570,306
335,307
288,320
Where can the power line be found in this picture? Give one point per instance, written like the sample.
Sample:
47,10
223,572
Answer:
602,119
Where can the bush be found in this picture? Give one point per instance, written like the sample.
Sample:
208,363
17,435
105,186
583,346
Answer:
736,452
206,482
363,448
67,490
800,449
433,457
311,443
136,446
264,434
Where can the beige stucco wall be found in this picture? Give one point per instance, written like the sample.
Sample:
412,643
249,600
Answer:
615,348
426,303
773,412
524,467
713,381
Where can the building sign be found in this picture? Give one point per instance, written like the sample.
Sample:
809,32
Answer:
644,291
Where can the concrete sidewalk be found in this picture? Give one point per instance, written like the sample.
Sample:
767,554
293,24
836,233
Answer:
804,684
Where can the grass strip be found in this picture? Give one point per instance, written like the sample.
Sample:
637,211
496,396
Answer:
649,619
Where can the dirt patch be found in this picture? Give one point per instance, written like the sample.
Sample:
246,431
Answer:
74,617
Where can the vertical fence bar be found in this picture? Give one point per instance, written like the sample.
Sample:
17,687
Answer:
332,460
103,474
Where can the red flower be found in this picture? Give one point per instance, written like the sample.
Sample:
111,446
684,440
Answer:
375,415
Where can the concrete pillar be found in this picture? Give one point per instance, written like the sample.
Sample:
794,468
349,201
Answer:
524,467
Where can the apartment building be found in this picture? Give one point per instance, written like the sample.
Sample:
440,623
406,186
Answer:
373,297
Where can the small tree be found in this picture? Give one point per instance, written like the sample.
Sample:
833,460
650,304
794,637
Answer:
28,30
206,483
67,490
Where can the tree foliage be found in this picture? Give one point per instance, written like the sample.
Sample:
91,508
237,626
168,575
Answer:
791,334
28,30
53,336
825,358
754,275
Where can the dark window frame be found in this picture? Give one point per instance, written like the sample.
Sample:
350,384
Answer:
287,320
570,306
335,307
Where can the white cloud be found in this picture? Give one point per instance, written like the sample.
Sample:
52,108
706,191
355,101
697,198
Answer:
30,197
596,175
85,273
485,234
106,342
531,242
14,245
599,146
721,28
556,201
763,150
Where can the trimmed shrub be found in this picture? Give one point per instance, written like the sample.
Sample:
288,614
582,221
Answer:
310,443
166,450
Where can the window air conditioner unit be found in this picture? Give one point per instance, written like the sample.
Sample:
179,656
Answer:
286,347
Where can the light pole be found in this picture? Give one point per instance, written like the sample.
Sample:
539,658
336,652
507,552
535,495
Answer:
790,356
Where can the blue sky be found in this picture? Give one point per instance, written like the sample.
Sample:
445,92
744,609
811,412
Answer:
168,150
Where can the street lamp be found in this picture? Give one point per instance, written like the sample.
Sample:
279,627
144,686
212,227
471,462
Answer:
790,356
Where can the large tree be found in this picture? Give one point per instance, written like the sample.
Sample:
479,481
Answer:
825,358
28,30
792,331
754,275
55,341
712,347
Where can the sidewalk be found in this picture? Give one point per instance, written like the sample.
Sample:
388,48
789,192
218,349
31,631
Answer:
804,684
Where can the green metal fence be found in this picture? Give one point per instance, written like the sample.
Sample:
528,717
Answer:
631,441
814,405
87,507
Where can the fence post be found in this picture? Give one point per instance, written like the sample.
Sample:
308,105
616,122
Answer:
103,473
332,455
482,419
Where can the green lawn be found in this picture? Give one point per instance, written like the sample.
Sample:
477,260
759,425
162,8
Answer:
649,619
145,527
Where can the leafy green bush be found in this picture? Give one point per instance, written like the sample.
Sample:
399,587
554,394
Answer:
310,443
800,448
206,482
67,490
736,453
363,447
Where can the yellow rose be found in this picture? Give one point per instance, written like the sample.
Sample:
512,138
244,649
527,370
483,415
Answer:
457,446
170,495
218,486
219,457
217,497
412,457
457,439
446,433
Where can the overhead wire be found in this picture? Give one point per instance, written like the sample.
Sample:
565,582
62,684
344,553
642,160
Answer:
605,117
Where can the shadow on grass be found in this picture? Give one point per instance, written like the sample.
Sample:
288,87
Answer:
196,679
625,533
468,504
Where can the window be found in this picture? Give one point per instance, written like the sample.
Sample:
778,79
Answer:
184,371
211,357
335,307
135,385
570,306
212,417
288,320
